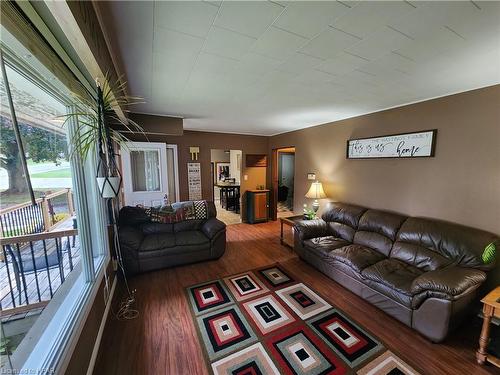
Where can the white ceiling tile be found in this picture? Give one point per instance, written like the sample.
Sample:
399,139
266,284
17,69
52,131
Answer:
379,43
208,64
191,17
312,76
278,44
367,16
227,43
342,63
248,17
299,63
310,18
254,63
176,46
329,43
397,62
439,40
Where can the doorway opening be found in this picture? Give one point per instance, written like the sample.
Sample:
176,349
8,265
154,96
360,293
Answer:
226,175
283,181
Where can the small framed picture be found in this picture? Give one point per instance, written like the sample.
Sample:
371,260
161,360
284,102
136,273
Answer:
311,176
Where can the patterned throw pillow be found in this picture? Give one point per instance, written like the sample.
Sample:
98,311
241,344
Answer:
190,210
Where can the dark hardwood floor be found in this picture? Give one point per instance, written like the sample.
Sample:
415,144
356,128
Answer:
163,339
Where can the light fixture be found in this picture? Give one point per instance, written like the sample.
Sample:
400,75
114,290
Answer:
316,192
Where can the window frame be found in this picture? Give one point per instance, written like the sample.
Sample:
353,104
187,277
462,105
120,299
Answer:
62,320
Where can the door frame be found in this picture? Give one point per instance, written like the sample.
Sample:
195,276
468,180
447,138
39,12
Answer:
275,180
176,170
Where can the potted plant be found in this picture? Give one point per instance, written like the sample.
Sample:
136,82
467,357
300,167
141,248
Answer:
93,133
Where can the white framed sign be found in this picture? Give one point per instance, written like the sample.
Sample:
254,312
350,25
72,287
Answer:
194,181
406,145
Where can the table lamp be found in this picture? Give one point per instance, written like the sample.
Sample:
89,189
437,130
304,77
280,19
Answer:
316,192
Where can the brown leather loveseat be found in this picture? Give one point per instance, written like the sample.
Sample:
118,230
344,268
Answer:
148,246
423,272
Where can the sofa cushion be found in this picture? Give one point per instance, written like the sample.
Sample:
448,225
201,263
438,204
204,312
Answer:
392,278
157,241
418,256
155,228
324,245
192,237
378,229
356,256
463,245
343,219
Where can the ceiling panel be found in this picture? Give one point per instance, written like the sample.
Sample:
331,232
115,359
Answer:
342,63
278,44
379,43
227,43
366,16
300,62
310,18
190,17
329,43
248,17
263,69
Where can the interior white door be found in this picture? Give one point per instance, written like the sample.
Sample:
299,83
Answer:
145,177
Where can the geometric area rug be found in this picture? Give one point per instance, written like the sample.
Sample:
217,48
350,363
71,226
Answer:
266,321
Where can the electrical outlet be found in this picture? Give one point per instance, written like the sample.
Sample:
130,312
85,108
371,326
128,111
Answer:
114,263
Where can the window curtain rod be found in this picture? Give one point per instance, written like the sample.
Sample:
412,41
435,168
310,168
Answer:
19,141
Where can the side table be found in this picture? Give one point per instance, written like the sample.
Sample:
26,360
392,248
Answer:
491,309
288,221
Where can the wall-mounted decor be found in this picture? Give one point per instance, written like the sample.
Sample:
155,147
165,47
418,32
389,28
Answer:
194,151
194,181
256,160
311,176
222,171
405,145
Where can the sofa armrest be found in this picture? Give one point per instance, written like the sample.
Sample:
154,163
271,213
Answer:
212,226
130,237
306,229
451,281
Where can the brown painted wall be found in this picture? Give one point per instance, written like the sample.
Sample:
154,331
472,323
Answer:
460,184
249,144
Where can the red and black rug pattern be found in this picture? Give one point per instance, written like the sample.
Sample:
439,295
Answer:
266,321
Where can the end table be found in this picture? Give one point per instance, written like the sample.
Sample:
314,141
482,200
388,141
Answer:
491,309
289,221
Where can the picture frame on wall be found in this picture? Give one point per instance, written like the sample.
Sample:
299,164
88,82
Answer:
420,144
222,171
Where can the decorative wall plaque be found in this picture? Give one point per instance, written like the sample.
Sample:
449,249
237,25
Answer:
406,145
194,181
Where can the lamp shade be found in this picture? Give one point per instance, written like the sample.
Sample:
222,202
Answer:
316,191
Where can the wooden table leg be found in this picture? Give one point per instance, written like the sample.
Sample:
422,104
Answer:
484,339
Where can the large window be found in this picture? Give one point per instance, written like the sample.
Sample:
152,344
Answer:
52,248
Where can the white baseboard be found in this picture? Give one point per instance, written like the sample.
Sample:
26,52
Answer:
97,343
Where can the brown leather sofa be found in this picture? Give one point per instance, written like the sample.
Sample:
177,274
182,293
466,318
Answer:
148,246
423,272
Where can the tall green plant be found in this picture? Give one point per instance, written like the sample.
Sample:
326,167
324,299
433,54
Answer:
85,138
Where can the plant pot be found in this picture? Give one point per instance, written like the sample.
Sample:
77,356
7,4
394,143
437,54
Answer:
109,187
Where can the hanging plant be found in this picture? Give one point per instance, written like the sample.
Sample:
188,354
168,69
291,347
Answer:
89,110
94,135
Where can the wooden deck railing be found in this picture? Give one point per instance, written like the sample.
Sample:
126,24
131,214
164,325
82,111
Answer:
35,265
25,218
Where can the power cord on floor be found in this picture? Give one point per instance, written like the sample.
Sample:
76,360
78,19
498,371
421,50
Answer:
125,310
